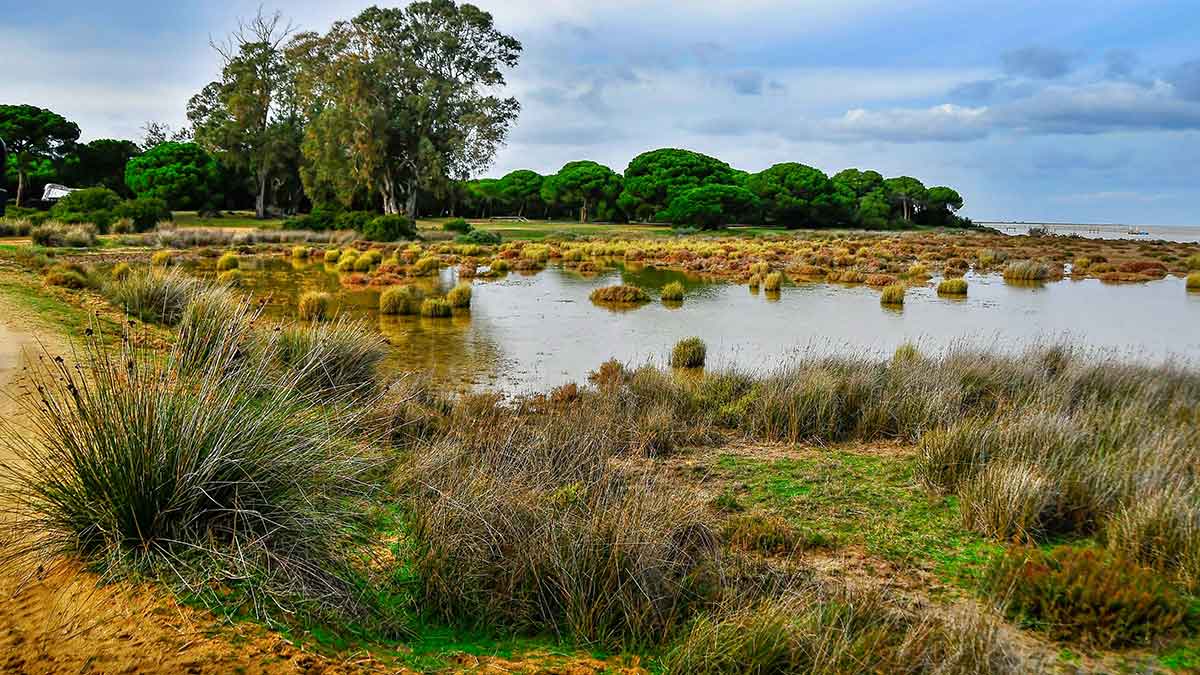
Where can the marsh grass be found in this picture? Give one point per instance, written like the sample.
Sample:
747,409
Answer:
58,234
214,325
1026,270
228,261
773,282
893,294
620,295
1193,281
460,296
956,287
228,478
154,295
400,301
315,306
673,292
338,360
436,308
689,353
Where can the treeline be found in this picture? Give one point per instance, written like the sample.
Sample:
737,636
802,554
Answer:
393,111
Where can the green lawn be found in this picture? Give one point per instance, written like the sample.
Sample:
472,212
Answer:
228,219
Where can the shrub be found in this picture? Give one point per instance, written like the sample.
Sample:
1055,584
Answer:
58,234
893,294
400,300
952,287
689,353
459,225
334,360
89,205
314,306
460,296
389,228
1087,595
1026,270
773,282
481,237
228,261
154,296
627,295
435,308
67,276
332,256
143,214
673,292
205,482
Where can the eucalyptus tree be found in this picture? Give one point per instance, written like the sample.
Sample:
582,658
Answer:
402,99
249,118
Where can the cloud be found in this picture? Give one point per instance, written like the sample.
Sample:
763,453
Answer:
1099,108
1044,63
1185,78
946,122
1120,64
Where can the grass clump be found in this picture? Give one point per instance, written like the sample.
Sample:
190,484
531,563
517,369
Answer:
1009,500
689,353
436,308
332,256
153,295
347,261
460,296
425,267
120,271
204,481
213,323
957,286
893,294
620,295
314,306
334,360
58,234
67,275
1026,270
763,533
773,282
162,259
400,301
673,292
230,278
301,252
1087,595
228,261
1193,281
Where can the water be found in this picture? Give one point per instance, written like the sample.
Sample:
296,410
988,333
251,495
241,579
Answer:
533,332
1173,233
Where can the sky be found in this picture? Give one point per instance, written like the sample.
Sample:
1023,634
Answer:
1081,111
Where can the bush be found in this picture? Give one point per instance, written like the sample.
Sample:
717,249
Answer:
689,353
145,214
335,360
459,225
89,205
1193,281
228,261
205,482
314,306
952,287
389,228
54,234
893,294
67,276
628,295
673,292
400,300
481,237
435,308
1084,594
460,296
153,296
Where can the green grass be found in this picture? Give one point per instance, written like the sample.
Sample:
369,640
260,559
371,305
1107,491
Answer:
538,229
235,219
868,500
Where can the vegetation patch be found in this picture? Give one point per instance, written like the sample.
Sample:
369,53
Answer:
620,295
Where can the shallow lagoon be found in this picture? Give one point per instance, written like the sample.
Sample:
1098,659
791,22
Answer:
532,332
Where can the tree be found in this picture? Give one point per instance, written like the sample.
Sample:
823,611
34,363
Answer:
181,174
101,163
522,188
796,194
249,117
34,134
908,193
874,211
654,179
399,100
157,133
861,183
583,185
941,206
713,206
484,194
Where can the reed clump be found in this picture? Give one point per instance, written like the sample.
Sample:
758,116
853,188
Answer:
952,287
228,261
689,353
1026,270
773,282
624,295
400,300
893,294
460,296
154,295
673,292
1193,281
315,306
436,308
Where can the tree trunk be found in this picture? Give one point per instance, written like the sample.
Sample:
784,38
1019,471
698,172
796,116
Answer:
391,201
20,186
583,212
260,201
410,207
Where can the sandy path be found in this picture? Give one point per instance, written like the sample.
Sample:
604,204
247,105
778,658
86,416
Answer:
62,621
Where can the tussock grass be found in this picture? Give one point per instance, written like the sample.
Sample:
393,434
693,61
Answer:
1026,270
1009,500
952,287
1193,281
214,324
225,478
228,261
623,295
436,308
689,353
773,282
335,361
153,295
673,292
58,234
67,275
400,300
120,271
162,259
460,296
315,306
230,278
893,294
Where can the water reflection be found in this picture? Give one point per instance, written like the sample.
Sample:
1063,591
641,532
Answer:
530,332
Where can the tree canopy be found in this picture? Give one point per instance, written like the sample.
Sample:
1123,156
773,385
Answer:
34,134
100,163
585,185
798,195
654,179
712,206
522,189
401,99
181,174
